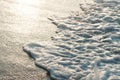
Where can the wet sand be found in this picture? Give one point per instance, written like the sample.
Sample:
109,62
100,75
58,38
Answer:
24,21
86,46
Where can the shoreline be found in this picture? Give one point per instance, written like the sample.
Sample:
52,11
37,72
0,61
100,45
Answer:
85,47
19,26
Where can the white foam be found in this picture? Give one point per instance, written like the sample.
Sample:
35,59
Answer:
86,47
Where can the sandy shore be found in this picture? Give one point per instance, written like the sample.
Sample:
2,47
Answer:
86,45
23,21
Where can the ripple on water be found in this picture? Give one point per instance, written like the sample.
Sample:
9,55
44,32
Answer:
86,52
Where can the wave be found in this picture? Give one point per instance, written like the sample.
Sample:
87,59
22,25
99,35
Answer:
86,46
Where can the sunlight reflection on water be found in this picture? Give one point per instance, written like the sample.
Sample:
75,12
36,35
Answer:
30,16
25,14
31,2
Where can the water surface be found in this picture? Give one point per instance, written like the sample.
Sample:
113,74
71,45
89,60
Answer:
23,21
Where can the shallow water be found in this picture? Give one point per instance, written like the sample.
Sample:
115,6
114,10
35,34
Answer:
86,46
23,21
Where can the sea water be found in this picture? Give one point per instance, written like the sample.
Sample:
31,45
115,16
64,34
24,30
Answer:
85,47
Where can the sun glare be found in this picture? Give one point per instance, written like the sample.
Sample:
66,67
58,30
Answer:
31,2
27,11
28,7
